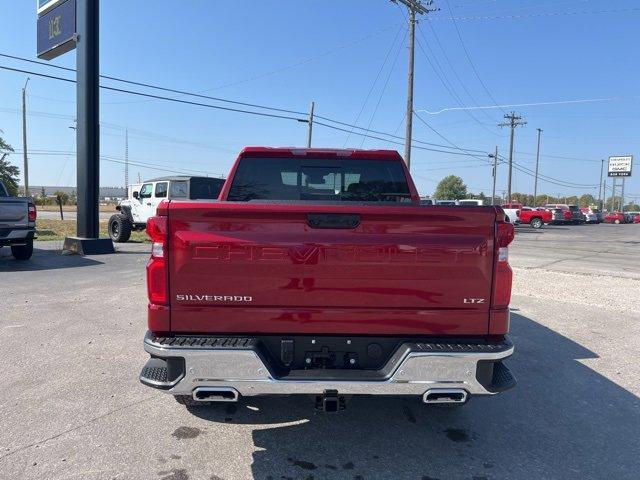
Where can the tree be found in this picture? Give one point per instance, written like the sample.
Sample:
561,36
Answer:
8,173
586,200
64,197
451,188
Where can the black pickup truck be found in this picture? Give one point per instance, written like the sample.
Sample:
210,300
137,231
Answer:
17,224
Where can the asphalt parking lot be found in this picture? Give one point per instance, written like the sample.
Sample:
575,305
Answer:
72,406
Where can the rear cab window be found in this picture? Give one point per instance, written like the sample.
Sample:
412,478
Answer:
205,188
3,191
317,179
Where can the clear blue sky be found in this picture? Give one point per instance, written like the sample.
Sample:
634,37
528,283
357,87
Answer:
286,53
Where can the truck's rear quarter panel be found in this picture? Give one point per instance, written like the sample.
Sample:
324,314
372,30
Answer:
404,270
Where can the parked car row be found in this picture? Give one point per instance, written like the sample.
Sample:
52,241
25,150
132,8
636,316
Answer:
563,214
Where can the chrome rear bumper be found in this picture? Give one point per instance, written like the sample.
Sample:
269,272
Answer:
413,370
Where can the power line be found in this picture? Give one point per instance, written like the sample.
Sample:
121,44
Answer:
159,97
303,120
447,85
534,15
156,87
375,81
466,52
455,73
445,138
384,87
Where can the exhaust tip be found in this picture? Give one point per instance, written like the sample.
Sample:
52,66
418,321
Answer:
445,395
215,394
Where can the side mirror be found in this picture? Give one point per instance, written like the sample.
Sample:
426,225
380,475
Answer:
136,195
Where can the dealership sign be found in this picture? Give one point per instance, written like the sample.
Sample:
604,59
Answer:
57,29
44,6
620,166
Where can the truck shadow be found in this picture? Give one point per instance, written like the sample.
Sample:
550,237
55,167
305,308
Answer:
43,259
563,420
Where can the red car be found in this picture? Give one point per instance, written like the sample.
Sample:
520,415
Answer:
615,217
317,272
636,219
536,217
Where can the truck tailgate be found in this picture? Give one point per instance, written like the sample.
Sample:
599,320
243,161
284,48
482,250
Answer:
297,268
13,212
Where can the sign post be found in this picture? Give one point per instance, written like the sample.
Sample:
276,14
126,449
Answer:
62,26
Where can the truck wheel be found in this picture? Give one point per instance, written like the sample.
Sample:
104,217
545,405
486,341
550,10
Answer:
119,228
536,223
22,252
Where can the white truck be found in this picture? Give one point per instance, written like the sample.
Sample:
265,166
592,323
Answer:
144,198
17,224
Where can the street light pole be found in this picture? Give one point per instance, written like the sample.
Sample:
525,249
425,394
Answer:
600,185
495,174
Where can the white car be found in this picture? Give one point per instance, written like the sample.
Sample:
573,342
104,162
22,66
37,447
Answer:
144,199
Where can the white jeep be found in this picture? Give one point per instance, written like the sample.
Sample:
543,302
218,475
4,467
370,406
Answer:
144,198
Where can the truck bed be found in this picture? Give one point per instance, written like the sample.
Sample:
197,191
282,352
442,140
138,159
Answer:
298,268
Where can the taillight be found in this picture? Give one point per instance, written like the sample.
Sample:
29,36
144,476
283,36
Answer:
157,267
503,275
33,213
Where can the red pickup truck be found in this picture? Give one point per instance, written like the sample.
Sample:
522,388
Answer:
318,272
536,217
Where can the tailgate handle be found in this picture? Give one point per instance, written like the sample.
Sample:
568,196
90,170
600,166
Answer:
333,220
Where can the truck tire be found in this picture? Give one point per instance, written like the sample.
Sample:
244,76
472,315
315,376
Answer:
22,252
536,223
119,228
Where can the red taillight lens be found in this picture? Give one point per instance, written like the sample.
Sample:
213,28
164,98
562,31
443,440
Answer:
33,213
157,267
503,275
506,233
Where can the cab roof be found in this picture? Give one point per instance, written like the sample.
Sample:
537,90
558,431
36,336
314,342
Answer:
295,152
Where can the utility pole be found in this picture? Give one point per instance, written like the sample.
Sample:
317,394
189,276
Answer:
535,183
600,185
414,6
495,174
514,121
310,134
126,158
24,139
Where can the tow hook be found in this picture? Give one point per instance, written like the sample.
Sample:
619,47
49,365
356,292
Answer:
330,402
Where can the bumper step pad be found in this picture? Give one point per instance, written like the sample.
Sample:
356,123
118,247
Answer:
162,373
204,342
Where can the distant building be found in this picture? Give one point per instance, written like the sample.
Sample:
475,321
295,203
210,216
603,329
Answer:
106,194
